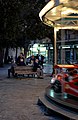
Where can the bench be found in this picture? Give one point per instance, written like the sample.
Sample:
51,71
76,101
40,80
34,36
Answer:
24,70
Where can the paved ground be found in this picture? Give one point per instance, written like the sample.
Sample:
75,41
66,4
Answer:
18,97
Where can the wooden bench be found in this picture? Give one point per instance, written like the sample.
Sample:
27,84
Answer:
24,70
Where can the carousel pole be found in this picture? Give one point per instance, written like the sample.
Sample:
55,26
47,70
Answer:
55,48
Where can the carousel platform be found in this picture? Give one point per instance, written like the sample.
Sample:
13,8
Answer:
59,104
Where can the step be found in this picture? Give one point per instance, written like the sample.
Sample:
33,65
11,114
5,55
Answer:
54,107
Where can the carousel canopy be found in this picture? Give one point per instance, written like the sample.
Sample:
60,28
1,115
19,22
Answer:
62,14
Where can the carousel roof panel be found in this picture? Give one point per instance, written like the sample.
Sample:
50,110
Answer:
62,15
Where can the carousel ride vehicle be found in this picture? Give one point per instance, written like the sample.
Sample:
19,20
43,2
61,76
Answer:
65,80
61,95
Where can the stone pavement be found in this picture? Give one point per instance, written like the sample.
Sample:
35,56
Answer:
18,97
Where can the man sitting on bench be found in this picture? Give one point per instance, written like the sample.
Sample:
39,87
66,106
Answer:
38,68
19,62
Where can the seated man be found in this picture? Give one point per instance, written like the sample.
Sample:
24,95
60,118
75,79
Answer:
32,60
20,60
40,58
37,67
11,69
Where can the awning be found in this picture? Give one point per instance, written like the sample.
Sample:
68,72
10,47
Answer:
62,16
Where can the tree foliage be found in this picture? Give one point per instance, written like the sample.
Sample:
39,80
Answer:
20,22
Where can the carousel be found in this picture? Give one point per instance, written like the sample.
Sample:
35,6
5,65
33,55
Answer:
61,14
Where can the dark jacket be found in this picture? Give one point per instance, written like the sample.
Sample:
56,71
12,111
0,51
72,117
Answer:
36,65
40,58
20,61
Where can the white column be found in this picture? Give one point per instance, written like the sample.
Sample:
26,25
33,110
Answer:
55,47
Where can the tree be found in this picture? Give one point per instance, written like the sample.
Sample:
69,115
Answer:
20,23
20,20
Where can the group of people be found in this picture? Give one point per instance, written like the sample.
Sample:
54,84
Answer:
37,64
35,61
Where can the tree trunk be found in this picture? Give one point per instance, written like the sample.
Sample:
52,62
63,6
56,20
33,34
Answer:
6,56
1,57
